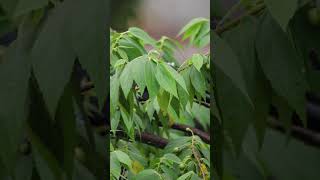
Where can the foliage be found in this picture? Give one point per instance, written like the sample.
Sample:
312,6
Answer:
267,56
150,92
45,133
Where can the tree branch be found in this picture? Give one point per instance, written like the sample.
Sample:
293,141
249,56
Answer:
307,136
203,135
146,138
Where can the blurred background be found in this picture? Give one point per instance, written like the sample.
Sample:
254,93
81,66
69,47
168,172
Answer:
159,18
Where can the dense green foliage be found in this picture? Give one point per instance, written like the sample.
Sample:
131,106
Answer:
150,92
44,132
267,56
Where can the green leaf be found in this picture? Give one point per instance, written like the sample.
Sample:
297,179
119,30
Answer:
227,61
169,172
66,119
123,157
53,57
282,11
122,54
178,142
236,111
186,76
165,79
46,164
242,41
87,29
177,77
202,114
114,91
163,100
282,66
172,157
126,119
151,82
115,121
147,175
126,79
186,175
192,23
14,78
139,33
137,66
115,169
197,61
183,96
198,81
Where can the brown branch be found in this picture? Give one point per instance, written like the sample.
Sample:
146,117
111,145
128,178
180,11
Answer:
203,135
146,138
307,136
152,139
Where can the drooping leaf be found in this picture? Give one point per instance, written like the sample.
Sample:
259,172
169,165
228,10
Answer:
282,65
198,81
226,60
14,75
123,157
52,56
65,119
163,100
114,93
172,157
241,40
282,11
193,22
177,77
165,79
151,82
197,61
138,65
115,169
126,79
87,30
139,33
